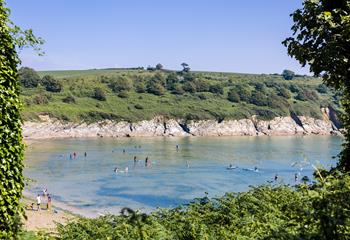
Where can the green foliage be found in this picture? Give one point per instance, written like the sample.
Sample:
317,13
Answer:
321,39
155,88
51,84
305,95
11,147
288,74
233,96
120,84
216,88
69,99
319,211
28,77
99,94
322,88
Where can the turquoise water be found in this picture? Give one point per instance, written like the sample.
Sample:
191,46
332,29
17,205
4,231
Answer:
175,176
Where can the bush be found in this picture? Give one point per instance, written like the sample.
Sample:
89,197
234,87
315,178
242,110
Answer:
123,95
322,88
233,96
68,99
178,90
305,95
120,84
294,89
138,106
28,77
51,84
288,74
189,87
264,212
140,87
258,99
284,92
41,99
155,88
99,94
217,88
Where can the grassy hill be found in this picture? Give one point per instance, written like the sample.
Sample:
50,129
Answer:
137,94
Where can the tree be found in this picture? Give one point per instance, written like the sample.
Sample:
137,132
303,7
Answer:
321,39
51,84
159,66
11,146
288,74
217,88
185,67
28,77
155,88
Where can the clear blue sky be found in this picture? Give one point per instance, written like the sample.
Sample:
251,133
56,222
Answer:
221,35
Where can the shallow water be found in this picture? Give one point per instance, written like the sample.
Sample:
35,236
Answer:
175,176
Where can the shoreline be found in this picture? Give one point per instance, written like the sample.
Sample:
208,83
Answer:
49,128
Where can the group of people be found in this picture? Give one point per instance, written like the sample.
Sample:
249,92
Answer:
39,199
74,155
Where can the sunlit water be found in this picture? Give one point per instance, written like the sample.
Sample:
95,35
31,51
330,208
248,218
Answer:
175,176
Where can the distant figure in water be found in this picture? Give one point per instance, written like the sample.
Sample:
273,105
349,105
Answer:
230,167
85,154
48,202
116,169
74,155
123,150
276,177
296,177
146,162
126,169
187,164
139,146
135,160
256,169
177,147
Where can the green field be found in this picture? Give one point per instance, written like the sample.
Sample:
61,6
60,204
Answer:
134,95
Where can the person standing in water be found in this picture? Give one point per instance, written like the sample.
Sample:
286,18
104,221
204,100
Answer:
70,156
276,177
135,159
74,155
146,162
296,177
177,147
85,154
123,150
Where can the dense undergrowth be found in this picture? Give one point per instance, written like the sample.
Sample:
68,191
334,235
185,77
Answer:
316,211
133,95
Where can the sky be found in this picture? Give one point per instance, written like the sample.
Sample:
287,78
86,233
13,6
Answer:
222,35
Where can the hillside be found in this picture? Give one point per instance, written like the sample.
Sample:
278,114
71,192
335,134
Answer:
137,94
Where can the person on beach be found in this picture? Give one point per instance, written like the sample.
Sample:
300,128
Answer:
44,192
38,202
48,202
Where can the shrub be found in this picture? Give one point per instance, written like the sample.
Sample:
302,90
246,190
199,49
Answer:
288,74
233,96
322,88
51,84
138,106
294,88
68,99
284,92
178,90
305,95
28,77
217,88
189,87
99,94
258,99
140,87
171,80
123,95
41,99
155,88
201,85
120,84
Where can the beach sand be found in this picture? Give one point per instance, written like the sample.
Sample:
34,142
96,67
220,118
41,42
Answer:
44,219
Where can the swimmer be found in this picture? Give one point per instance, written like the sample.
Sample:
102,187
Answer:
256,169
276,177
123,150
146,162
296,177
135,160
116,169
85,154
230,167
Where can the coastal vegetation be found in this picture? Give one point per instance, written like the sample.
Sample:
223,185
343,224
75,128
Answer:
138,94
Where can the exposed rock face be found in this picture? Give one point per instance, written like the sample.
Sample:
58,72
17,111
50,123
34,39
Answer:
159,126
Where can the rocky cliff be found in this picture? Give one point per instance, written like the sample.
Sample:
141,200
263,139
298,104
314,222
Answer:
160,126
